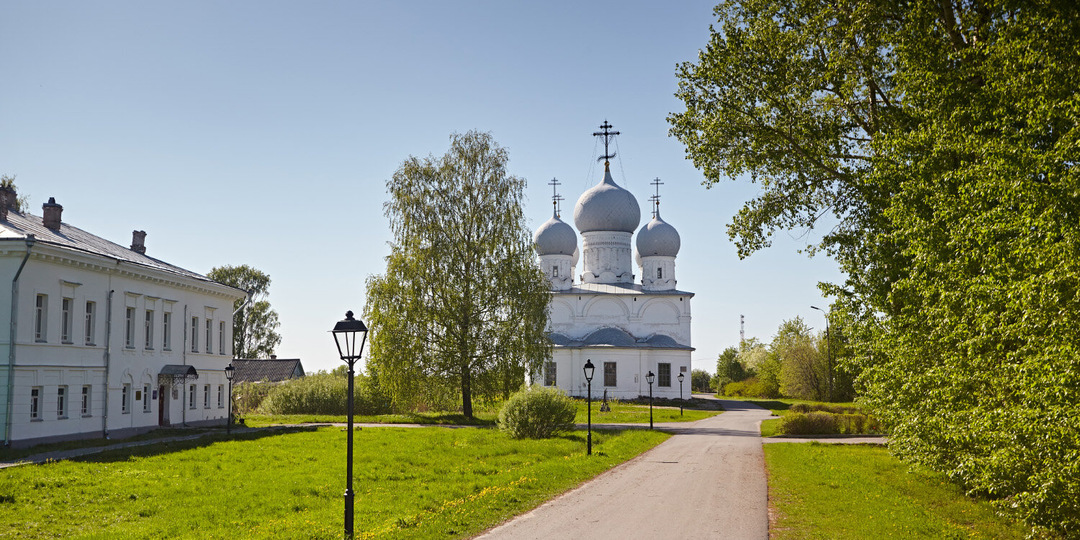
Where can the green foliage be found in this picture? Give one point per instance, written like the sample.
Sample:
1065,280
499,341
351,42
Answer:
752,387
700,380
937,141
462,303
322,393
730,368
412,483
816,422
254,327
537,413
804,371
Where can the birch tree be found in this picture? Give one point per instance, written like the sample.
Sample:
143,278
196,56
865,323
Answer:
462,303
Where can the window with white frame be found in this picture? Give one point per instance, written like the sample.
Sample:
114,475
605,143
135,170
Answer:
35,403
148,324
206,397
91,307
146,398
663,374
221,396
65,319
550,378
125,399
129,328
191,396
194,334
41,321
209,336
61,402
84,406
166,331
221,338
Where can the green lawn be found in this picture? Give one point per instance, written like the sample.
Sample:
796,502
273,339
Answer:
410,483
860,491
638,414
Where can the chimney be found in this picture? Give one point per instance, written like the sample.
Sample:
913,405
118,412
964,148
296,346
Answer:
8,198
273,357
51,214
138,239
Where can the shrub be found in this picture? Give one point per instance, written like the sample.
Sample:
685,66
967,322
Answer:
537,413
814,423
322,393
751,387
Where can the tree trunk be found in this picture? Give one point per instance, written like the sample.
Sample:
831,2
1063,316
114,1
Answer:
466,392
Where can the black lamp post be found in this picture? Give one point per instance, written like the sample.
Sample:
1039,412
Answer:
649,377
828,351
230,372
349,348
681,377
589,368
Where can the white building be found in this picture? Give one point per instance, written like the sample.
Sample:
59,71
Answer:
627,329
102,340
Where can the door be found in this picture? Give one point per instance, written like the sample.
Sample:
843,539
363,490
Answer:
162,406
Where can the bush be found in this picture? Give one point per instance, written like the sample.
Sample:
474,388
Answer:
322,393
814,423
751,387
537,413
818,422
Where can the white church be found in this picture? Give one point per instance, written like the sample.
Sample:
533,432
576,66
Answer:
626,326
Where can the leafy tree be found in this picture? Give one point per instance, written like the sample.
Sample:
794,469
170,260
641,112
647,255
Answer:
699,380
462,303
255,326
803,369
936,141
729,368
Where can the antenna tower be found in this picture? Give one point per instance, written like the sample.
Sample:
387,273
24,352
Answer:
742,329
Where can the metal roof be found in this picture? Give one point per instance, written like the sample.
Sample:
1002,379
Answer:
618,288
616,338
20,224
269,370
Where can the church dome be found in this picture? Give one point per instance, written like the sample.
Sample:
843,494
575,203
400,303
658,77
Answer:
607,207
658,237
555,237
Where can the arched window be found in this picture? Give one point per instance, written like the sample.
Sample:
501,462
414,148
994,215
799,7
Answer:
554,271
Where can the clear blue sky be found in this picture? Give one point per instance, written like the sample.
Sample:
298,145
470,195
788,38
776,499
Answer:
263,132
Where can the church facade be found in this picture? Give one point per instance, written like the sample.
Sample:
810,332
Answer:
628,326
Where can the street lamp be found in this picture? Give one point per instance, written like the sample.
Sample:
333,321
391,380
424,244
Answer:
589,368
230,372
345,337
828,351
649,377
681,377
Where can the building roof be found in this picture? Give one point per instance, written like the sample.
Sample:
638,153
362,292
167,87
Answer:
20,224
618,288
607,206
616,338
267,370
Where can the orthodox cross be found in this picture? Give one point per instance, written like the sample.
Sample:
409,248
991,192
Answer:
607,134
656,198
555,197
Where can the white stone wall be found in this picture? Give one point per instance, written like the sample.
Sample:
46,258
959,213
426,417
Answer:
607,257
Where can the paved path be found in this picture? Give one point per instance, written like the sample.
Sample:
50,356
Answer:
708,481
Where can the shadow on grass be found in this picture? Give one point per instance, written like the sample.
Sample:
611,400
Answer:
168,447
763,403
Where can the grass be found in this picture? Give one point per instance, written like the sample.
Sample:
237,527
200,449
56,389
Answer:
861,491
488,416
409,483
